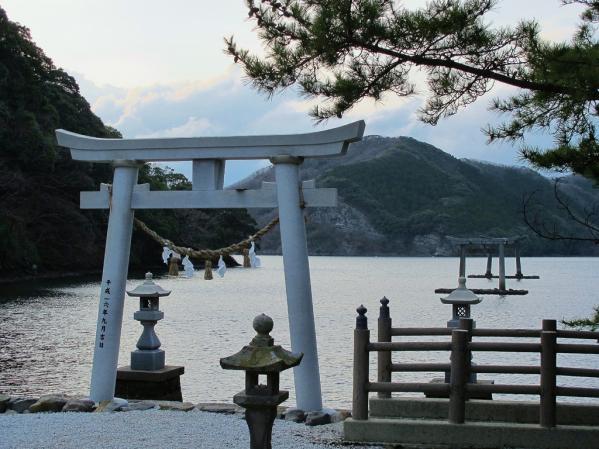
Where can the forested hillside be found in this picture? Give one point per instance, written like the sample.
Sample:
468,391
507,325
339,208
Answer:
40,221
399,196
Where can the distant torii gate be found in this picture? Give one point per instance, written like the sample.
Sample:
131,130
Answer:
209,155
491,242
500,243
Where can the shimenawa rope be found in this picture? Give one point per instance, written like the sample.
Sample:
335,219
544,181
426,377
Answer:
207,254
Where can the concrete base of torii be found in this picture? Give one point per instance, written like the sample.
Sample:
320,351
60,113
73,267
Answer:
161,385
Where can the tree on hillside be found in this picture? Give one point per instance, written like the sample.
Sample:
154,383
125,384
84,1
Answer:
585,222
343,51
40,221
41,225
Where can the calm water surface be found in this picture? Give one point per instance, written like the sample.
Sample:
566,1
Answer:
47,329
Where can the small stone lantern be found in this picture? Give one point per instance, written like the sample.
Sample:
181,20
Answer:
261,357
461,299
148,377
148,356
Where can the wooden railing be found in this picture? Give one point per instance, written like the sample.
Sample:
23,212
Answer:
460,368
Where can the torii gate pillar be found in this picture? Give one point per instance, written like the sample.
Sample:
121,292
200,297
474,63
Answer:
297,282
114,279
501,266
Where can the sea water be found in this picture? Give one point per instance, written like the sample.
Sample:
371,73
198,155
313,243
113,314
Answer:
47,329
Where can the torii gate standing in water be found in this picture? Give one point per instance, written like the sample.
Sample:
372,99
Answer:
209,155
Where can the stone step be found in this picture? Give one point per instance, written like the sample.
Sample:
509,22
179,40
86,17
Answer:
482,410
434,434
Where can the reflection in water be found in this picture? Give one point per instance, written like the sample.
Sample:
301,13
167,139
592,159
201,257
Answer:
47,329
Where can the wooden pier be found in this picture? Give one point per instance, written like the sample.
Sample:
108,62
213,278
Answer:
461,420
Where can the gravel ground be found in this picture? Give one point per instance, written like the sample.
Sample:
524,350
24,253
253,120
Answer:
154,429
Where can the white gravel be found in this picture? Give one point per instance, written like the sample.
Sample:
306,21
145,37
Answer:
158,429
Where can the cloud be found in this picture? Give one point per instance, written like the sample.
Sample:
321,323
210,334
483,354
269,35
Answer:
228,106
192,127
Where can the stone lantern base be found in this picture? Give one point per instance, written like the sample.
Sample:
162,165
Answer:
161,385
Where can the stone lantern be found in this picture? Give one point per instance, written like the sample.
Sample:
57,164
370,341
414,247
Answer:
261,357
148,377
461,299
148,355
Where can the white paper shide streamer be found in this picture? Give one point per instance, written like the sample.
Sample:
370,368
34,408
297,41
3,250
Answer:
254,260
188,267
222,267
166,252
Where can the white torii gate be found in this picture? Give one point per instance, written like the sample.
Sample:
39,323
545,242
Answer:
209,155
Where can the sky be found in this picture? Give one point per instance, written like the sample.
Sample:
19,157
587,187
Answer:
158,69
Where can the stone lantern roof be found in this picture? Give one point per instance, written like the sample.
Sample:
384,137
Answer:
461,295
148,289
262,355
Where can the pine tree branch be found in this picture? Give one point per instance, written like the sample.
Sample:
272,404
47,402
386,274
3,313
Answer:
429,61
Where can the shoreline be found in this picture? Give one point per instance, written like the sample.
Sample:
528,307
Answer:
59,421
47,276
60,275
61,403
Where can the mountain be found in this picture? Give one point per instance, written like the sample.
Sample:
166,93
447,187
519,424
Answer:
400,196
42,228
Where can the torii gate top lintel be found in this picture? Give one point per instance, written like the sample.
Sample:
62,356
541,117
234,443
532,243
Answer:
331,142
209,155
485,241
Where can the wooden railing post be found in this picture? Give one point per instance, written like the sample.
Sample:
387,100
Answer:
384,357
361,341
457,377
548,373
467,324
